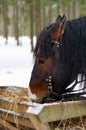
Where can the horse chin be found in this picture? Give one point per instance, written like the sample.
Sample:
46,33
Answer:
37,98
40,99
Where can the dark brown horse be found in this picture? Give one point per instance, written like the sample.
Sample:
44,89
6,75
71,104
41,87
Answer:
60,56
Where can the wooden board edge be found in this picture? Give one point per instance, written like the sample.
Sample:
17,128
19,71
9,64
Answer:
63,110
16,119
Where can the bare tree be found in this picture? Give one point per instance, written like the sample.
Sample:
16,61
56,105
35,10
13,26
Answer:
16,20
31,24
50,12
5,18
37,16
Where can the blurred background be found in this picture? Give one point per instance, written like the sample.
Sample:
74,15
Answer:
21,21
28,17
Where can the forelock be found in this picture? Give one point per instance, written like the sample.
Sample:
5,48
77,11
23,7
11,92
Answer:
43,42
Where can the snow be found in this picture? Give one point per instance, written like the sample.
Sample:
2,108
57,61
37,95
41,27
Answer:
35,108
16,62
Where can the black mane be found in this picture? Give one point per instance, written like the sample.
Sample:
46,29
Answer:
44,41
74,40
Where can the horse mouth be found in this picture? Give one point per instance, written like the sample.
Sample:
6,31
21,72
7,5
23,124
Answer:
49,98
37,98
42,99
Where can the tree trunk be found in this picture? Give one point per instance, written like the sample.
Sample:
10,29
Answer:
58,7
38,17
16,21
5,18
50,12
43,16
31,25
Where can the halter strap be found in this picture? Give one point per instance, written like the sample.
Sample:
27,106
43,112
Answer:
56,42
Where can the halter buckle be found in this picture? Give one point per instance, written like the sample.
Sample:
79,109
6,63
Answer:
50,88
50,83
56,42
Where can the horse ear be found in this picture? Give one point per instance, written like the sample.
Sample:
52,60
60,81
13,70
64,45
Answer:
58,28
58,18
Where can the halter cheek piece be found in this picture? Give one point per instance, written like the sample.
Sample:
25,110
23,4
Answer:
49,80
50,86
56,42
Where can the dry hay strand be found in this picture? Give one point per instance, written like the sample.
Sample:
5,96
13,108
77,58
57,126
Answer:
14,92
78,123
15,95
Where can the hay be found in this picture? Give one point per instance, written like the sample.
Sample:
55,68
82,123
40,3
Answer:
78,123
14,93
21,94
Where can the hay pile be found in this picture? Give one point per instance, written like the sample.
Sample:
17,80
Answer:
21,94
14,93
78,123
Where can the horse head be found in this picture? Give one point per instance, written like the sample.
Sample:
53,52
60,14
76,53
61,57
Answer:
47,56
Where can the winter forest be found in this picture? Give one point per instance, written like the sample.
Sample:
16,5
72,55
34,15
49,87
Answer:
55,80
21,21
28,17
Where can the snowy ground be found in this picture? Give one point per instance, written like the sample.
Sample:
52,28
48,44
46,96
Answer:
16,62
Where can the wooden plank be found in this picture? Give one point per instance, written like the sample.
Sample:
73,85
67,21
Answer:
63,111
46,112
7,103
59,111
50,111
16,118
38,124
7,125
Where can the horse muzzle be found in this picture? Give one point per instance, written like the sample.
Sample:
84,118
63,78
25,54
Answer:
37,98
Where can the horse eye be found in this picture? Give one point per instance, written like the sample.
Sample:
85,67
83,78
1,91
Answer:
41,61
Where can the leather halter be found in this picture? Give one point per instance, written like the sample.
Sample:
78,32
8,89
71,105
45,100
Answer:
56,43
50,87
49,78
